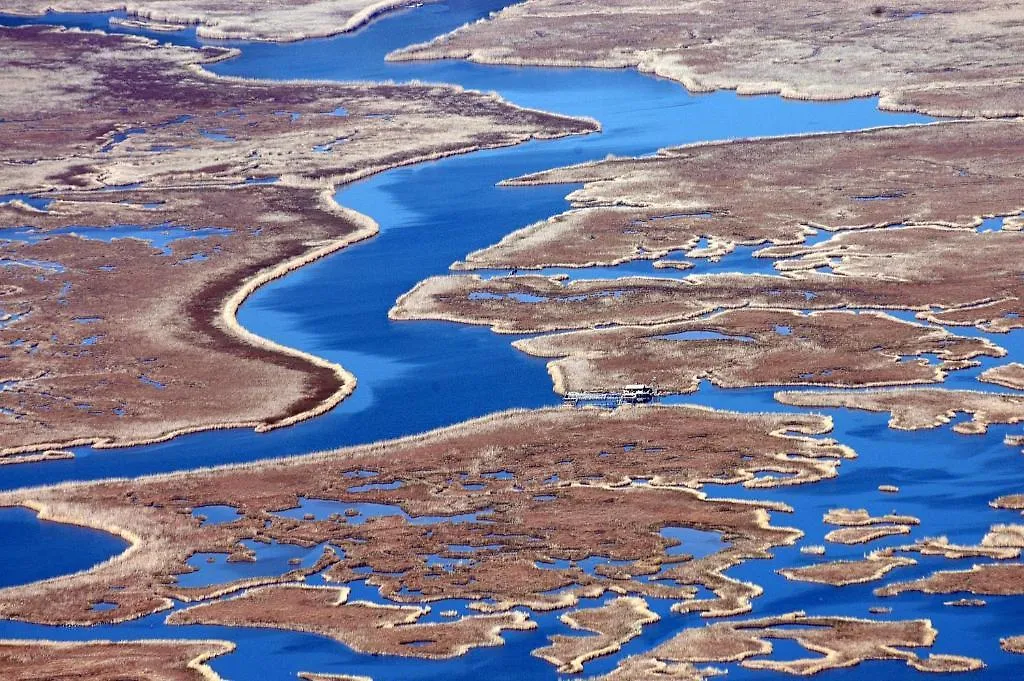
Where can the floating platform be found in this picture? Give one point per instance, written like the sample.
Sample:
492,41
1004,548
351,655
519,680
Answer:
630,394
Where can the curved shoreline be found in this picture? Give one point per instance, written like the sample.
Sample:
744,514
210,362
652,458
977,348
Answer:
198,664
367,227
210,27
888,99
562,35
227,321
324,394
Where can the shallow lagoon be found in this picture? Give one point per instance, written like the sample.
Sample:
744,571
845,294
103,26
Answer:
416,376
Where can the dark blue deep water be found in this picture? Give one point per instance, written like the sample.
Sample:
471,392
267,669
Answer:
415,376
34,550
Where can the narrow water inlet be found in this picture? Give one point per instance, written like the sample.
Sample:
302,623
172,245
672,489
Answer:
434,214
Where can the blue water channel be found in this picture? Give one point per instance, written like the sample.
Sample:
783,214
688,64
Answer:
414,376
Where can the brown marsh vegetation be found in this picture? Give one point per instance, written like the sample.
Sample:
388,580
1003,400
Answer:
109,660
832,643
276,20
916,409
942,57
526,489
749,192
161,352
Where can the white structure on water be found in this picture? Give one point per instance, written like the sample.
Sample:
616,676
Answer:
636,393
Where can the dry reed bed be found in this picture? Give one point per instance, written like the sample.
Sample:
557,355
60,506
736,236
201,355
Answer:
917,409
860,517
1013,644
833,643
864,535
569,497
990,579
859,526
1010,502
746,348
872,567
1001,542
943,57
749,192
277,20
993,545
1008,375
362,626
941,272
166,329
171,319
266,129
109,660
614,624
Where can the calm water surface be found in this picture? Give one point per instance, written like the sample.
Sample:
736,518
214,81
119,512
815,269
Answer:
419,375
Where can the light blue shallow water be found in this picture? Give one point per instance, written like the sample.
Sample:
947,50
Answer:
419,375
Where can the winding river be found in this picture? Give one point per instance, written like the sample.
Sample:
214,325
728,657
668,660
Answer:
415,376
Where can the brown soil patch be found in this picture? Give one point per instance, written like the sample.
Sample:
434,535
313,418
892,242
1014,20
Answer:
364,627
569,494
921,409
942,57
110,661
